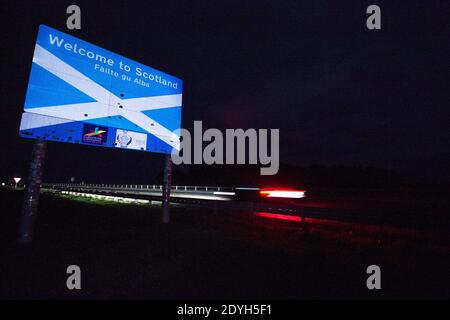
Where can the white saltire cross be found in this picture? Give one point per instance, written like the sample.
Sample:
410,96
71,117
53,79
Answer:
107,104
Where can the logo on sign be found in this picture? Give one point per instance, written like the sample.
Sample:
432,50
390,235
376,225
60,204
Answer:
124,139
94,135
131,140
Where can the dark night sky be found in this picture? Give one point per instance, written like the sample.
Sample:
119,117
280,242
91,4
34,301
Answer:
339,93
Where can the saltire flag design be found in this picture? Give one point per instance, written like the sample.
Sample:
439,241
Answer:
73,84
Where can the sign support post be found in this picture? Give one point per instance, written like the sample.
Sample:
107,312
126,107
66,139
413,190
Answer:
166,189
31,200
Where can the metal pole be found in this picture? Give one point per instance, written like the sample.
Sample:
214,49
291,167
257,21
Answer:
166,189
31,200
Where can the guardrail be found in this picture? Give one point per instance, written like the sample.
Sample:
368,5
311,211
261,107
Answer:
138,187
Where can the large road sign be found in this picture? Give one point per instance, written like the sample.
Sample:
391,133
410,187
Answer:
81,93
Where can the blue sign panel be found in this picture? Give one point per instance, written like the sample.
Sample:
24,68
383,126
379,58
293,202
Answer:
81,93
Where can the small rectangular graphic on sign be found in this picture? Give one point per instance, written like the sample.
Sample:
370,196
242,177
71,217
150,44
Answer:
95,135
131,140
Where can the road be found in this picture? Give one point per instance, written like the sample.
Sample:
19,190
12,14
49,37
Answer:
416,210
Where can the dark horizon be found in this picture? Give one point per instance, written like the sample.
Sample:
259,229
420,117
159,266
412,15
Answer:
340,94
